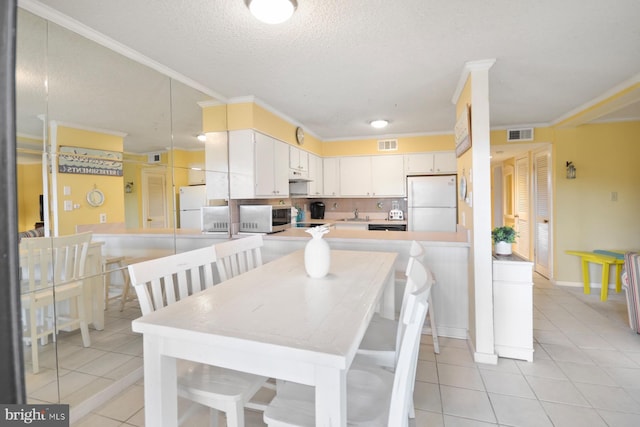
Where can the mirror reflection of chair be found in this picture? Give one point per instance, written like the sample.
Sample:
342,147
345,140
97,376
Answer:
375,396
53,269
163,281
238,256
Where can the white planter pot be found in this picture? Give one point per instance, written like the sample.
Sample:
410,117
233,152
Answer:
503,248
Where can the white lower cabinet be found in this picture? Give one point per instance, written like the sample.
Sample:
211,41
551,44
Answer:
513,307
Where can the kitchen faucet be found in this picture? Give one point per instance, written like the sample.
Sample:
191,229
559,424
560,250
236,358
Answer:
355,213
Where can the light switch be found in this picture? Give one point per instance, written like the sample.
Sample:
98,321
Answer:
614,196
68,205
67,190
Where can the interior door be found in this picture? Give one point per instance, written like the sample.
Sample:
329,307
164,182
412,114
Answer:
542,191
522,207
154,199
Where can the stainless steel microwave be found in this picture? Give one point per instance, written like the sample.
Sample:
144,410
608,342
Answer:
264,218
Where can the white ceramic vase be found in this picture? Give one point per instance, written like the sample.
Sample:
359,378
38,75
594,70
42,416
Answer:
317,256
503,248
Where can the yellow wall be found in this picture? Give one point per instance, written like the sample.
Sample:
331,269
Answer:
29,189
111,186
606,158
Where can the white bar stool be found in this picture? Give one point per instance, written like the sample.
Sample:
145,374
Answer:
120,264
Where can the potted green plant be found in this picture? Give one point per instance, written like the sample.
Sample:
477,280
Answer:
503,237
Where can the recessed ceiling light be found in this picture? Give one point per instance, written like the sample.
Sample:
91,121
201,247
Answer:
379,124
272,11
202,137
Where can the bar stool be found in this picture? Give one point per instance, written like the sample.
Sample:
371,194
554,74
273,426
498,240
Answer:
120,264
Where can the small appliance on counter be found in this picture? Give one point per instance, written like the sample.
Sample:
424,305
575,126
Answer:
264,218
215,219
317,210
395,213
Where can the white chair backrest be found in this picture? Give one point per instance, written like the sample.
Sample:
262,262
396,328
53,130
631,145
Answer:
163,281
54,260
413,320
238,256
416,252
418,277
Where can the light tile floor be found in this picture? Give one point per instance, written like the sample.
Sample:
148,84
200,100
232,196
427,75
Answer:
586,372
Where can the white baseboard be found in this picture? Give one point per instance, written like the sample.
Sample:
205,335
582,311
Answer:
581,285
486,358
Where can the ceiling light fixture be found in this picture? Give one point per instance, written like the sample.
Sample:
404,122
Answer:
272,11
202,137
379,124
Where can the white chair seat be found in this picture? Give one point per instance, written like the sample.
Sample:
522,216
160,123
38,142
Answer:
224,389
378,346
368,400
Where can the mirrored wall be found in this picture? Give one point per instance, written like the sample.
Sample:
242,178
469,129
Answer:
105,145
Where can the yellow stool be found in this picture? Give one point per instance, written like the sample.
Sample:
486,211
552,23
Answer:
606,261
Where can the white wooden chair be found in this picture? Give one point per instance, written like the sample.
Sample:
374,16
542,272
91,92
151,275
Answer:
381,341
53,269
375,396
238,256
163,281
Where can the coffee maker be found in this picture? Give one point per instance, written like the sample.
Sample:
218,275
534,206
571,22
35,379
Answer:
317,210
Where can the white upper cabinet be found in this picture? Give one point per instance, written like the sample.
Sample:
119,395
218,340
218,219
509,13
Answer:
217,166
355,176
316,175
331,176
431,163
372,176
298,161
259,165
388,177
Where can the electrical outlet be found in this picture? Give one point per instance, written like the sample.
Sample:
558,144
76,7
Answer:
614,196
103,218
68,205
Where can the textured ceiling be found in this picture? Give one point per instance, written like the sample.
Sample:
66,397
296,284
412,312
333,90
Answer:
335,65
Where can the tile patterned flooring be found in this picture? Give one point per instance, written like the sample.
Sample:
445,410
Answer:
586,372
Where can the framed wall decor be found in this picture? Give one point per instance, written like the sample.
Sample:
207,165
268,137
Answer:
462,131
88,161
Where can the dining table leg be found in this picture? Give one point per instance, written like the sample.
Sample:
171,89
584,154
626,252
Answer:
160,385
331,397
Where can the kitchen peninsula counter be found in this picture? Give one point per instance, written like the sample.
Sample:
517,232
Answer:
446,254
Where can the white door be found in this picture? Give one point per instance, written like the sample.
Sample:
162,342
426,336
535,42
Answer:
154,199
522,207
542,191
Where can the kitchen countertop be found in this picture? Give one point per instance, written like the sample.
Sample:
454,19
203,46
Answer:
422,236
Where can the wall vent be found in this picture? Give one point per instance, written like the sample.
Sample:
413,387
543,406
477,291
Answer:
388,145
524,134
153,158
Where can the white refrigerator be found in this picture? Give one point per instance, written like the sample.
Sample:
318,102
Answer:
192,198
432,203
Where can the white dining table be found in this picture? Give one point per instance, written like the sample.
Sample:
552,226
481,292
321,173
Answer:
273,321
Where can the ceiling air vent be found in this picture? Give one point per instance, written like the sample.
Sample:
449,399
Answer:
153,158
525,134
387,145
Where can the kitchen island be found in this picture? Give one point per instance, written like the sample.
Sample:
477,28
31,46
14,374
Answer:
446,254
